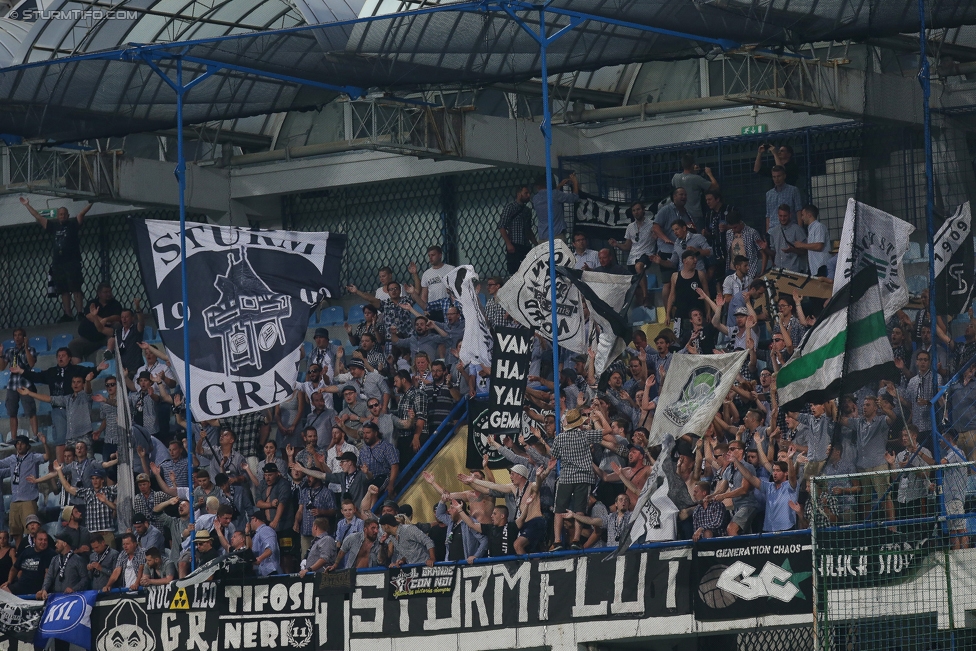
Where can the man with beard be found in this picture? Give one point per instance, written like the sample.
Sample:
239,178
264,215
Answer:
27,574
66,573
360,550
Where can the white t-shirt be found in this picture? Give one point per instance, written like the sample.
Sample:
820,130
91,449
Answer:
817,232
382,294
433,281
732,285
158,367
641,236
589,257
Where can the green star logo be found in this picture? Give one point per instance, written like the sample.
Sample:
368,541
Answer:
796,578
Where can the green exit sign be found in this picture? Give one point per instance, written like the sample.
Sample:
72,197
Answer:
754,129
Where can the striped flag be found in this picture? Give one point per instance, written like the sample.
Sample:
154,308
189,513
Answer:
845,350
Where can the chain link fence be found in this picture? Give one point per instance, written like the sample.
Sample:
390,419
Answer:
892,558
107,256
393,223
883,166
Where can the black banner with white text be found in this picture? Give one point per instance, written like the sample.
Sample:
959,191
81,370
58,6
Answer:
501,415
636,585
734,579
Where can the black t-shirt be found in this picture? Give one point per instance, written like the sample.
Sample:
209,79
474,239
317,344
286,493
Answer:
87,329
792,172
32,565
67,240
455,543
706,338
501,540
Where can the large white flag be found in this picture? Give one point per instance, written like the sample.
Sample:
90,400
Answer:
526,297
872,236
693,391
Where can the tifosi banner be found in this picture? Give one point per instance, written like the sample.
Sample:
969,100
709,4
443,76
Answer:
954,266
506,596
249,294
600,218
734,579
270,613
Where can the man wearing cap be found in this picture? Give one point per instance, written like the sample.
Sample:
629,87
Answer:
379,460
101,562
78,536
99,503
354,410
31,526
369,384
353,483
129,566
324,353
264,544
407,544
206,549
146,499
361,549
239,498
573,448
21,467
528,514
143,396
66,573
274,498
147,535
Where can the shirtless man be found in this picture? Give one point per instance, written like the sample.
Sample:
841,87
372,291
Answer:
633,476
528,518
479,504
363,546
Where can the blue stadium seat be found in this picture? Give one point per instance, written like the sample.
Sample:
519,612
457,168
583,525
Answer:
652,283
332,316
307,346
61,341
356,315
335,342
3,410
8,344
483,299
43,408
417,307
4,378
148,333
40,344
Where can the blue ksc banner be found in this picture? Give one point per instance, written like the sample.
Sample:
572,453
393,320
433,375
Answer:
67,617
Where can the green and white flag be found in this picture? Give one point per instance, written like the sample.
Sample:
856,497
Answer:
694,388
847,348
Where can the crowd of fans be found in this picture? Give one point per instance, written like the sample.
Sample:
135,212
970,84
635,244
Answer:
296,488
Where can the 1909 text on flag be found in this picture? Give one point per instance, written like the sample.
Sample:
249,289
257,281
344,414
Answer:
249,295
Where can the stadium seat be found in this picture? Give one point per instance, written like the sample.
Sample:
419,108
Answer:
335,342
39,344
8,344
652,283
4,378
3,410
307,346
61,341
332,316
43,408
917,283
482,299
356,315
148,333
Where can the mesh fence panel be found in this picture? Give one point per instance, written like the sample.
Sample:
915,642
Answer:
107,256
892,564
393,223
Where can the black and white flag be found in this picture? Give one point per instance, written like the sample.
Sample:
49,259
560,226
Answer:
19,618
527,297
656,513
476,344
601,218
249,297
954,263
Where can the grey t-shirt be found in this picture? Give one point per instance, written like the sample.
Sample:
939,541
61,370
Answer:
732,475
695,185
781,237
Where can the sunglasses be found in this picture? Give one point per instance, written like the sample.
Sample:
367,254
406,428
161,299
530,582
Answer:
373,404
